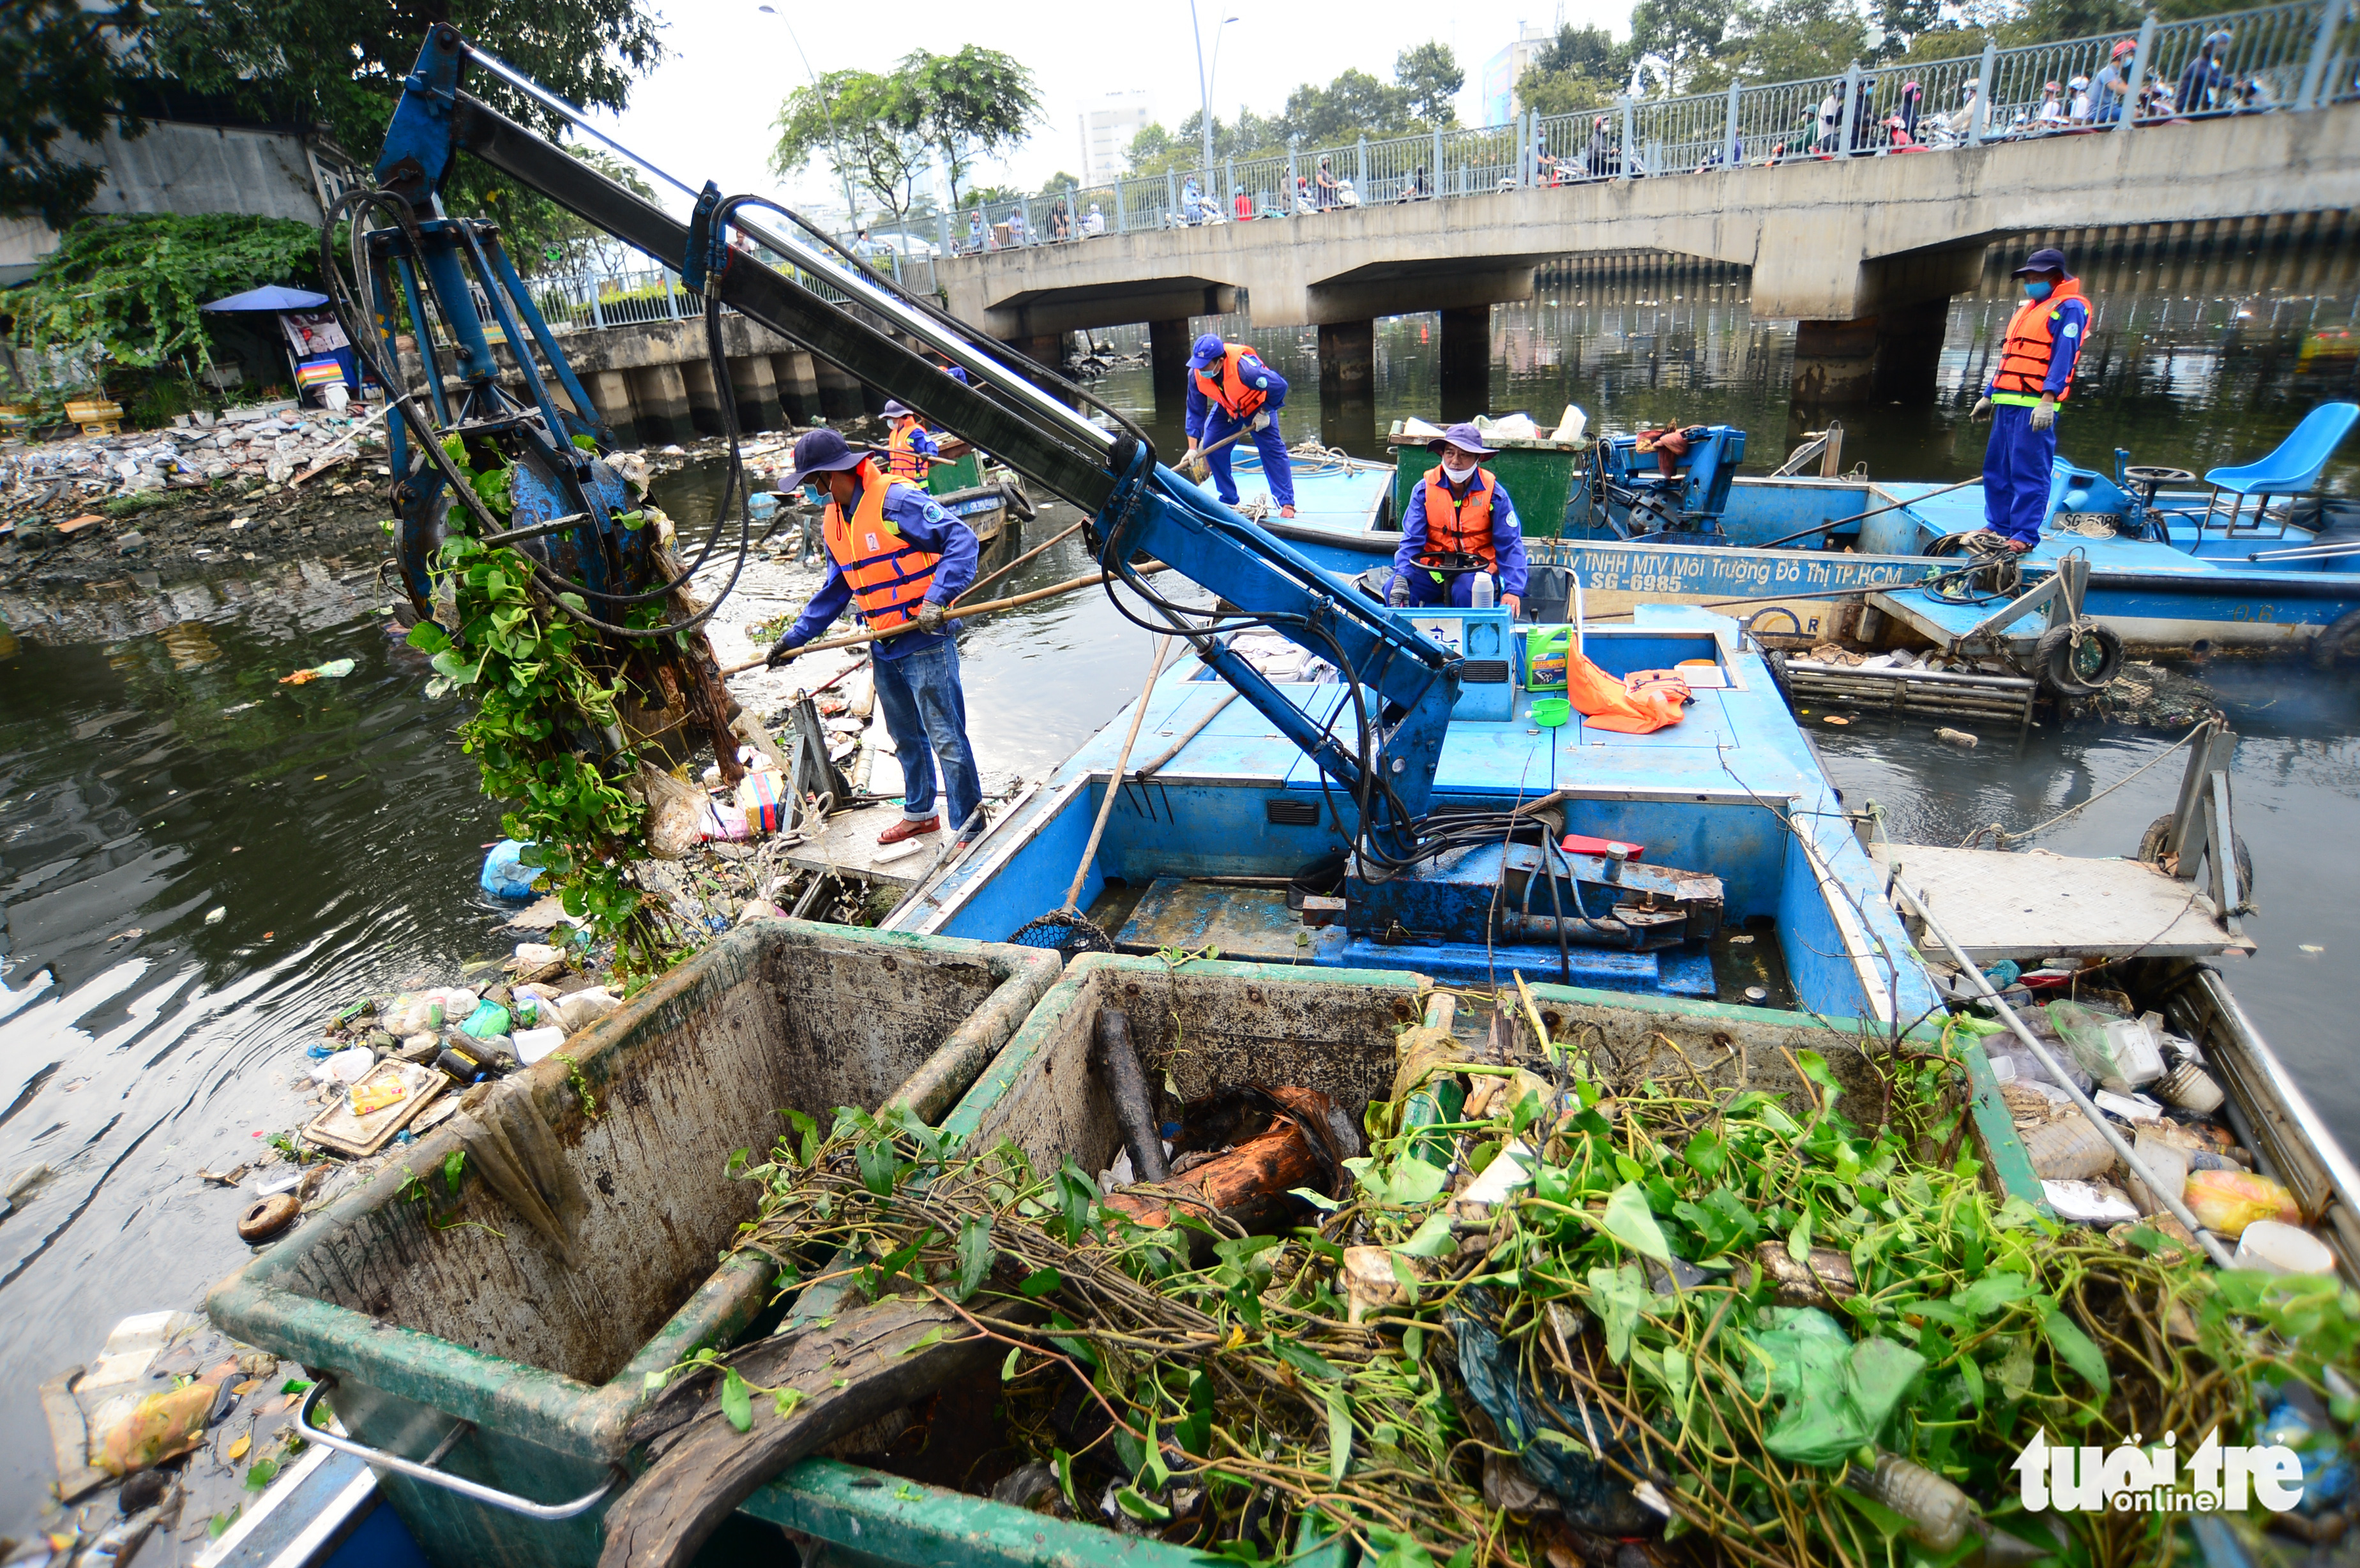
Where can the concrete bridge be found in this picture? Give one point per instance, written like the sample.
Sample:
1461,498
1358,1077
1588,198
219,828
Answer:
1864,252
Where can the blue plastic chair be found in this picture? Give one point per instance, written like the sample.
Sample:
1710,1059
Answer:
2291,470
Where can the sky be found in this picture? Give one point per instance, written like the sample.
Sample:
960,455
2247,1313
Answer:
705,112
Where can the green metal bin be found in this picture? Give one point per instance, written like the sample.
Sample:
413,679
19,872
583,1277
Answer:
454,1336
1213,1024
1539,477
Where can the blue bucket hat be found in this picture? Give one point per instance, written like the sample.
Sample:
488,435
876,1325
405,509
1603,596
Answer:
1209,348
2047,260
1467,438
821,452
893,409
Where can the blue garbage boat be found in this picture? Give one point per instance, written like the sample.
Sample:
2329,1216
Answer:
2154,560
1708,860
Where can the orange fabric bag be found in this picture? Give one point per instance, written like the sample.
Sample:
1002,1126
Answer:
1608,706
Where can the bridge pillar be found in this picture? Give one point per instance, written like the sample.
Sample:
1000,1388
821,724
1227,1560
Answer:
611,391
1348,381
703,394
841,396
798,384
756,389
660,397
1890,356
1466,362
1167,359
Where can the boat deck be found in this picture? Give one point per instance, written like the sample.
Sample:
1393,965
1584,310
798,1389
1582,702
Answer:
2039,904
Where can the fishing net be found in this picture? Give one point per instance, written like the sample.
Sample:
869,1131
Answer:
1068,931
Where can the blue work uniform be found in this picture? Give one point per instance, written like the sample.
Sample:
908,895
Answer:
2018,460
917,672
1427,587
1209,423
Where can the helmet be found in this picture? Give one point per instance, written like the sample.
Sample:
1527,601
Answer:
2050,87
1911,87
2078,83
2122,47
2222,37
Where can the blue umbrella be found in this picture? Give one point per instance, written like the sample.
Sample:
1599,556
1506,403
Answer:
270,297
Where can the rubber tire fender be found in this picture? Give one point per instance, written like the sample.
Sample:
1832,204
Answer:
2339,644
2052,656
1018,502
2150,850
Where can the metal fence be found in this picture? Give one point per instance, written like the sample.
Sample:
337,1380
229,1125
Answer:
2297,56
2288,57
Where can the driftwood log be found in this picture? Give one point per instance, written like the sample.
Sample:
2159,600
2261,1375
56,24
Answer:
1134,1102
705,1466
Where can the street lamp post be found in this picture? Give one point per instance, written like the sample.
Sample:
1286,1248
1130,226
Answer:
851,212
1204,81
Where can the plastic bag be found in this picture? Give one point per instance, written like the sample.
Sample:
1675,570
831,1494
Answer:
677,813
2226,1201
1839,1392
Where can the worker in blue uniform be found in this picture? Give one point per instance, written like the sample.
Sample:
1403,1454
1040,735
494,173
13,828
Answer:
1459,525
902,560
2036,374
909,445
1230,389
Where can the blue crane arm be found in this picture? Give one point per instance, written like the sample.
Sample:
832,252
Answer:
1408,682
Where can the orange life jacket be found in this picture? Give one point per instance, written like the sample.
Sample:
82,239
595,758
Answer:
889,577
1455,527
1237,400
904,460
2025,356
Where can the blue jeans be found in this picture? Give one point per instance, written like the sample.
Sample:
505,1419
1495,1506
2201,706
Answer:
925,712
1218,426
2015,473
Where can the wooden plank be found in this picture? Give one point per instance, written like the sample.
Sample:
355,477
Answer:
2041,905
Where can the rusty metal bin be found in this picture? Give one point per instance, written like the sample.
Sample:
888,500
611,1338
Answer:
445,1327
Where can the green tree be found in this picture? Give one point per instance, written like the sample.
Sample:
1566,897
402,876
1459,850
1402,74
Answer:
967,105
1790,40
1354,104
133,285
1581,69
1429,78
61,63
543,237
1685,39
1147,148
865,125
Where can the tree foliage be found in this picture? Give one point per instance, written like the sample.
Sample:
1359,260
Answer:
133,285
61,64
541,236
1429,78
967,105
865,125
1354,104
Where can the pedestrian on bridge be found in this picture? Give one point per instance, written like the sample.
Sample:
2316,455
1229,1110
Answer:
2036,374
2112,85
902,559
1230,389
1459,525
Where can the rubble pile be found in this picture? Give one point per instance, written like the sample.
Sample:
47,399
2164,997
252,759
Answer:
261,447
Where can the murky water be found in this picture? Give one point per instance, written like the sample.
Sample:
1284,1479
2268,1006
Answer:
152,770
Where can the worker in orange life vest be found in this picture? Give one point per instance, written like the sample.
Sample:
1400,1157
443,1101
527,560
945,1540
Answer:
2036,374
908,446
902,560
1460,523
1230,389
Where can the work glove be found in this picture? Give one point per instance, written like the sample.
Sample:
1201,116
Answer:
1262,421
780,654
1398,596
2044,413
930,617
1982,410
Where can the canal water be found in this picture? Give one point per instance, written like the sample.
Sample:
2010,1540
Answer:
153,770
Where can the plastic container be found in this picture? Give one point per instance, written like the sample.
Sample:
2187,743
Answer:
1546,649
426,1320
1552,713
1938,1511
2191,1088
2282,1249
1479,595
2067,1150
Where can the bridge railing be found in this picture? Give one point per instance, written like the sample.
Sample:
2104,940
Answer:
2296,55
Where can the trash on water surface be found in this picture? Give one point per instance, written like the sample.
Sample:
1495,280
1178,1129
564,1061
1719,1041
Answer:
334,669
265,1217
532,1044
215,915
505,874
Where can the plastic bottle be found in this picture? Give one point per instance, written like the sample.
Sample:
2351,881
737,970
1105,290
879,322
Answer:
1937,1512
1481,596
2067,1150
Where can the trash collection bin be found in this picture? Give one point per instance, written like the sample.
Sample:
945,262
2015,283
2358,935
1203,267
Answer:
1214,1025
436,1312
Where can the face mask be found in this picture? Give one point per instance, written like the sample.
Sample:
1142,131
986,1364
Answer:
2039,288
1457,475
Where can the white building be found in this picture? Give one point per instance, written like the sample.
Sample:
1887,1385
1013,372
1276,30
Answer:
1496,97
1106,129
